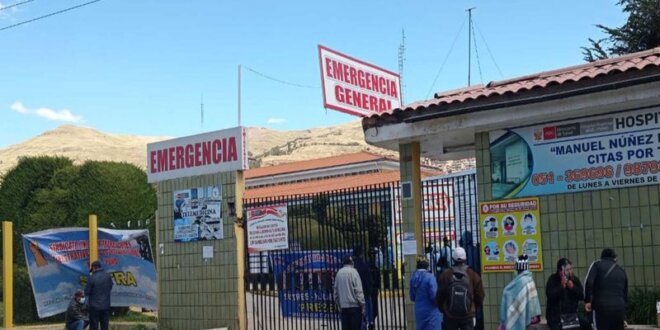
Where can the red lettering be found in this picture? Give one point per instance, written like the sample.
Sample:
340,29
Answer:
152,161
198,153
374,83
338,70
361,79
232,154
329,68
373,103
179,157
393,90
339,94
162,160
382,85
171,158
353,77
217,147
382,104
224,150
206,152
190,155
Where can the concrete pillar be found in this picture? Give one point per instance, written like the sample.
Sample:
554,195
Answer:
411,214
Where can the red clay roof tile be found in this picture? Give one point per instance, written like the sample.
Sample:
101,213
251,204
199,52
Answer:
635,61
304,165
332,184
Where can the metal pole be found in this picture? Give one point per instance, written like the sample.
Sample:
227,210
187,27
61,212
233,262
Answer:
469,10
93,238
8,274
239,95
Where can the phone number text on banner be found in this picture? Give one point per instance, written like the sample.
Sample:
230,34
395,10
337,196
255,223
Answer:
603,152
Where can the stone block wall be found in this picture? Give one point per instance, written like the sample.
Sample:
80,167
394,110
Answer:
195,293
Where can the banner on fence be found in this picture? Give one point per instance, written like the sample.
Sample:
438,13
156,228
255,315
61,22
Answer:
510,228
305,279
58,264
267,228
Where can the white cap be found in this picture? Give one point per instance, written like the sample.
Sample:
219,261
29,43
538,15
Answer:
459,254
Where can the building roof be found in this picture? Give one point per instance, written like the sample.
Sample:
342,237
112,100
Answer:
327,185
313,164
511,87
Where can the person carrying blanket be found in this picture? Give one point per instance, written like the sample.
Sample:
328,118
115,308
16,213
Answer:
520,300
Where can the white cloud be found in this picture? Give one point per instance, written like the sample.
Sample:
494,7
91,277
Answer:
50,114
51,268
276,120
19,107
6,13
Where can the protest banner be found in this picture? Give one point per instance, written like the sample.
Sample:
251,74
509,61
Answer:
58,264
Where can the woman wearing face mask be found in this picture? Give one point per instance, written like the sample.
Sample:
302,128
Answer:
564,291
76,313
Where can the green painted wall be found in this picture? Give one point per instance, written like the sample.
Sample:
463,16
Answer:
197,294
578,226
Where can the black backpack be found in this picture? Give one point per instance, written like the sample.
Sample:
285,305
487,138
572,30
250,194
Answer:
460,293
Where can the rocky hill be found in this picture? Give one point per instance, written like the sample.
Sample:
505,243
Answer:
266,146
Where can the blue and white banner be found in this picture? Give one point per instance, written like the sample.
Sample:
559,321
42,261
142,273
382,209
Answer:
305,279
58,263
603,152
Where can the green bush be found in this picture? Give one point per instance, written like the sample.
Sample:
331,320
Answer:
641,306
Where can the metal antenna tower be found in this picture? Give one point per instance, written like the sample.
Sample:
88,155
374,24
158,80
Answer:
402,59
469,10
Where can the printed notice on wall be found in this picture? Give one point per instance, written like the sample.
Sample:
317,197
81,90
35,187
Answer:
198,214
603,152
510,228
267,228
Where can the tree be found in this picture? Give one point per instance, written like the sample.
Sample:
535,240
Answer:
640,32
50,192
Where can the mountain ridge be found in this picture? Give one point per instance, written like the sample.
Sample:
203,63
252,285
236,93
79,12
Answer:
266,146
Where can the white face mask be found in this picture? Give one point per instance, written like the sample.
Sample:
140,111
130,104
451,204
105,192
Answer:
82,300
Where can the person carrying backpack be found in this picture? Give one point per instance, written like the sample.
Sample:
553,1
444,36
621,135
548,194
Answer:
460,293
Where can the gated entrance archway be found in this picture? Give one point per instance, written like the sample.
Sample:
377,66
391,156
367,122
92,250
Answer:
292,288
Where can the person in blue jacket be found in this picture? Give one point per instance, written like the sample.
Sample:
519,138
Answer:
423,288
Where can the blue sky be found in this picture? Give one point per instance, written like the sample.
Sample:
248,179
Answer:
140,67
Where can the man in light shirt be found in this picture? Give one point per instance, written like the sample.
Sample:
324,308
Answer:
349,296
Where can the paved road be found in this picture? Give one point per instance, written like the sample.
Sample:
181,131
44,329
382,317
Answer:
264,313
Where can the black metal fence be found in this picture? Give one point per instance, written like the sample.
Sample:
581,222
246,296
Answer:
292,288
451,218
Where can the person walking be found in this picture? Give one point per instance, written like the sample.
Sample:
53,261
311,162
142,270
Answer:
366,278
520,301
563,292
97,291
423,288
76,317
606,292
460,292
348,294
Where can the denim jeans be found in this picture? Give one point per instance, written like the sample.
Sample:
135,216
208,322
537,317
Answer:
76,325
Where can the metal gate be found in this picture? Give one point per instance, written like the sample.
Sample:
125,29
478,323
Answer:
292,289
450,219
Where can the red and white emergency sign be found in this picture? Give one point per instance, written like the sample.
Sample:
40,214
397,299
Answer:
207,153
356,87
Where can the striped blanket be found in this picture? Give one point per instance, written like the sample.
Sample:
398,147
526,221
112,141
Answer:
520,302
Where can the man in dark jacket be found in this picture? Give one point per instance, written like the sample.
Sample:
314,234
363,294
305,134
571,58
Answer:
76,314
367,283
459,322
563,292
97,291
606,292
